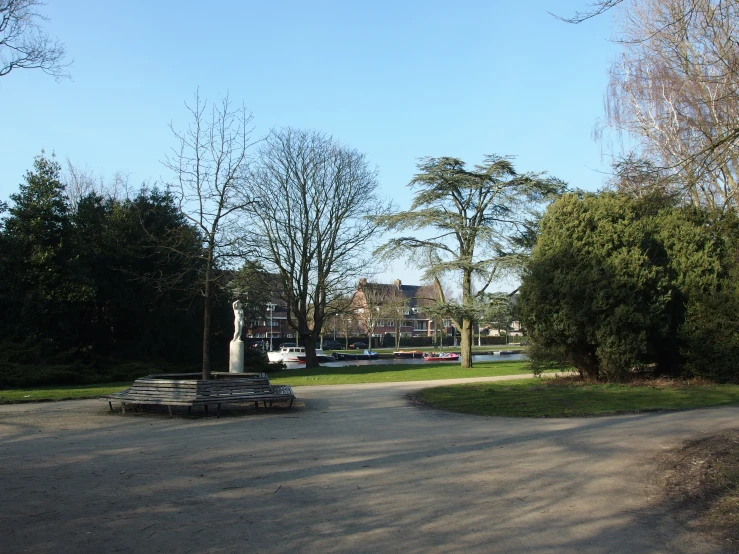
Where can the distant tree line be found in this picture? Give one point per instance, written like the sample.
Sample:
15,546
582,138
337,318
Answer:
87,277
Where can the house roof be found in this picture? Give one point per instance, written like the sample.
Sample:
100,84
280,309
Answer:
414,294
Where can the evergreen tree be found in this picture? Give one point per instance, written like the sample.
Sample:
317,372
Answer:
39,262
609,280
478,221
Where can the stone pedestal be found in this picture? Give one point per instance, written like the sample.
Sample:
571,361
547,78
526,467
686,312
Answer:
236,360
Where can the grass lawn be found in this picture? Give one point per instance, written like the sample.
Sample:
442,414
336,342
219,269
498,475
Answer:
60,392
567,398
297,377
349,375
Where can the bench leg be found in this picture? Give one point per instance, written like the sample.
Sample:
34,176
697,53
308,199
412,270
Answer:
218,410
256,405
206,409
291,403
123,408
170,411
189,410
111,406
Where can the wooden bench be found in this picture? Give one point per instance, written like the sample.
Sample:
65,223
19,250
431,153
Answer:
186,389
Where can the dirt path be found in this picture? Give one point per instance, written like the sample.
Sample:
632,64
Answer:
353,468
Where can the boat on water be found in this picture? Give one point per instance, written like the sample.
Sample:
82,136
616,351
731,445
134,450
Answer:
408,354
296,354
368,355
441,357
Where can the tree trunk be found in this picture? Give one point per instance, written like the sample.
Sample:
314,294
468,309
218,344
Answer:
206,324
466,343
466,330
397,334
310,349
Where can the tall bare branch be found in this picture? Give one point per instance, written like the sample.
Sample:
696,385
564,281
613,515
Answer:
23,42
309,223
209,166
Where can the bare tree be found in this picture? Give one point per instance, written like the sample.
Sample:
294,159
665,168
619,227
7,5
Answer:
308,222
209,166
675,89
23,42
592,10
638,177
80,182
346,326
371,305
339,311
432,301
394,310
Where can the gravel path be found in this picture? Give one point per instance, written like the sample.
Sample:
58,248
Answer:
351,468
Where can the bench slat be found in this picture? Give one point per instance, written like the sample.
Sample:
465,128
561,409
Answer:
158,390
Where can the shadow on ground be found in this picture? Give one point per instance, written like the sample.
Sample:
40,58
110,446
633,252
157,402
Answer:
350,470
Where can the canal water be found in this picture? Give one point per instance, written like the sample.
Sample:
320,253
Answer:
396,361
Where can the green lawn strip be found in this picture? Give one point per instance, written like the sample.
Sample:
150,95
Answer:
550,398
297,377
349,375
60,392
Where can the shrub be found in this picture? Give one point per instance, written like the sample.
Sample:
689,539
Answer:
711,338
607,284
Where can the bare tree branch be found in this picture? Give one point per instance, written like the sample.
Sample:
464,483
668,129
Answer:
209,167
23,42
309,224
675,90
593,10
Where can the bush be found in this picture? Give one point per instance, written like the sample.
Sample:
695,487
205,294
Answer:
23,376
416,341
488,340
606,287
711,338
27,352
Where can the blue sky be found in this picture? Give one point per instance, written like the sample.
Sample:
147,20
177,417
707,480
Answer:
396,80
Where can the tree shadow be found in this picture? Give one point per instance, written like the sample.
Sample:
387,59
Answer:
343,471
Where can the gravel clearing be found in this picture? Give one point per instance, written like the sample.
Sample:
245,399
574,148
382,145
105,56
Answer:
350,468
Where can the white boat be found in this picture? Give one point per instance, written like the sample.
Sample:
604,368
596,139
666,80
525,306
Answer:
296,354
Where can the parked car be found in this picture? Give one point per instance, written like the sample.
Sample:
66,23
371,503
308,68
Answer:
330,345
260,344
358,345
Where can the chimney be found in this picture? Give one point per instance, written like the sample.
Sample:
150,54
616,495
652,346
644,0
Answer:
398,284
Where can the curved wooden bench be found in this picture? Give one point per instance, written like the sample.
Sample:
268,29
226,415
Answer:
174,390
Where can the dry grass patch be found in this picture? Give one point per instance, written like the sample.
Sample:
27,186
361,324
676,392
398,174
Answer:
701,481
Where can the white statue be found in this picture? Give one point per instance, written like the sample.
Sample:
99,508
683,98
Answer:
238,320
